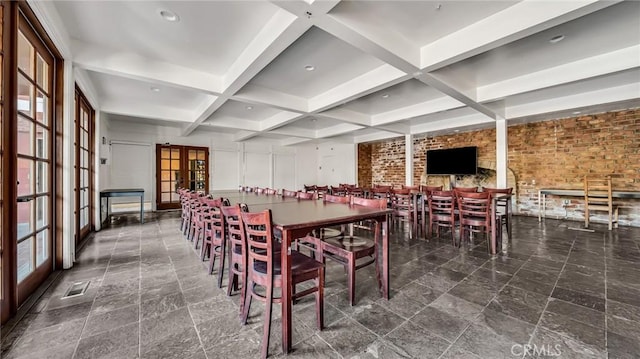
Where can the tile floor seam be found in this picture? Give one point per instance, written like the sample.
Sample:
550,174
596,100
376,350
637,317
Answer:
188,306
535,329
486,305
93,302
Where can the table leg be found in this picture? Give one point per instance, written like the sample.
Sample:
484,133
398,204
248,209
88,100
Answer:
142,208
494,230
385,260
539,207
286,291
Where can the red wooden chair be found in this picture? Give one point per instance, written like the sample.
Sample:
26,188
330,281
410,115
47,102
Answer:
347,250
306,195
442,206
264,270
502,206
287,193
403,209
474,212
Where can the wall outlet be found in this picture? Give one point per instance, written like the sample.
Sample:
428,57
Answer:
565,202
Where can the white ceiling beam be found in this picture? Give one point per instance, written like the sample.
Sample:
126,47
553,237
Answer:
513,23
278,120
377,79
399,128
343,114
133,66
244,135
293,141
337,130
440,104
144,110
234,122
441,85
376,136
295,132
265,96
611,62
451,123
586,99
280,32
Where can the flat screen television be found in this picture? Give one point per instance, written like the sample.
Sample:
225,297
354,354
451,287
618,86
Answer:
453,161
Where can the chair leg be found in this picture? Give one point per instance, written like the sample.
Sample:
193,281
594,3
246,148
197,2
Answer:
221,265
243,292
212,258
320,299
247,302
267,323
351,280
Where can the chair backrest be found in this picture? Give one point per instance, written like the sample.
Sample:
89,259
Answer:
465,189
369,202
216,223
231,216
258,236
413,188
336,199
338,191
259,190
598,192
287,193
270,191
442,202
429,189
321,190
498,190
248,189
309,188
306,195
355,191
474,205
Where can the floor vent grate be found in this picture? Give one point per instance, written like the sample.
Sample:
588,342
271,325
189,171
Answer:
77,289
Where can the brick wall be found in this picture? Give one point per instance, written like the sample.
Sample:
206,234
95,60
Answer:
387,162
550,154
364,164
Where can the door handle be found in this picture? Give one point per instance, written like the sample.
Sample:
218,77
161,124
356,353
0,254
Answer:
24,199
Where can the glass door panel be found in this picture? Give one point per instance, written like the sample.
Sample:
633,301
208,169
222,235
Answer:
84,165
33,160
177,167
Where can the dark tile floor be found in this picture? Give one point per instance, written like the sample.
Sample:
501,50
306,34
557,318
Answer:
556,292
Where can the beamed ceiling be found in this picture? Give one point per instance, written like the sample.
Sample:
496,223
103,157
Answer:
290,72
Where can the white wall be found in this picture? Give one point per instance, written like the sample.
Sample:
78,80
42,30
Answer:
336,164
231,164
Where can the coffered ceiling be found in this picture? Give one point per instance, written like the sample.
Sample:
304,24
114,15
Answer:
290,72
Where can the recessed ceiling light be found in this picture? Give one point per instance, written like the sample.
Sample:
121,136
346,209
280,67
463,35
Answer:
309,68
385,95
154,89
576,112
169,15
556,39
249,107
456,131
313,120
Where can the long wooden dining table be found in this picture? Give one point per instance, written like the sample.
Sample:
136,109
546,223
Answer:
297,218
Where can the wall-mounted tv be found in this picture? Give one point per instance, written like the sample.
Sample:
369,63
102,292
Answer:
453,161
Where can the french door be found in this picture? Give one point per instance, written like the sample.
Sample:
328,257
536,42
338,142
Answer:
34,153
179,167
84,143
30,150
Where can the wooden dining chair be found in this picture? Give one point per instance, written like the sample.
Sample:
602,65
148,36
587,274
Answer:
259,190
502,205
271,191
598,197
403,208
355,192
288,193
321,191
264,271
474,212
214,238
306,195
464,189
309,188
347,250
237,251
442,213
